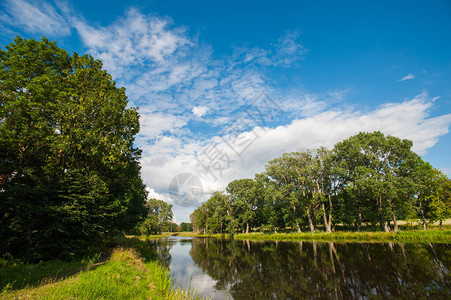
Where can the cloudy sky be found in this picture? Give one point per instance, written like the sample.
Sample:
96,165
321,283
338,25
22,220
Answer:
223,87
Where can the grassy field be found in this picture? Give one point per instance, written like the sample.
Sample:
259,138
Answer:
125,274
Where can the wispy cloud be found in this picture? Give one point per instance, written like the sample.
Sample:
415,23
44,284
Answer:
36,17
136,40
167,71
287,51
407,77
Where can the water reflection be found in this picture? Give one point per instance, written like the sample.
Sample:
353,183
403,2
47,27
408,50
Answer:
306,270
187,275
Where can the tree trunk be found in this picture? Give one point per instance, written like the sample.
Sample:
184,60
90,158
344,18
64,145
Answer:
330,213
387,226
297,223
359,225
422,215
310,222
441,224
382,224
298,226
247,227
395,221
326,222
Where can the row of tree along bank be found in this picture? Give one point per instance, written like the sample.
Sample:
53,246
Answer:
367,179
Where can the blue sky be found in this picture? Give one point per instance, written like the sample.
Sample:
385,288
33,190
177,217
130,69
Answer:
223,87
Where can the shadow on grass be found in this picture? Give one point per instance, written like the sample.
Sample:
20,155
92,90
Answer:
14,276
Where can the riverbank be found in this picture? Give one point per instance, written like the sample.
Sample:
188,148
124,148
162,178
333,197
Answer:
416,236
129,272
428,236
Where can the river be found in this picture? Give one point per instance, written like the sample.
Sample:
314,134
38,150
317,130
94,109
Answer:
228,269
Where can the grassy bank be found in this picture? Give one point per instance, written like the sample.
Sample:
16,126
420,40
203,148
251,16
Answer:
212,235
417,236
126,274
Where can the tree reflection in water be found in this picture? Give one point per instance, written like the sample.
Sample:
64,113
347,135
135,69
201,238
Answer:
155,250
305,270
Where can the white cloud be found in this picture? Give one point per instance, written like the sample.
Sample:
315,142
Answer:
151,194
200,111
407,77
37,17
153,124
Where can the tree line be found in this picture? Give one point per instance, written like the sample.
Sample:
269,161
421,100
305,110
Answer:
158,219
368,179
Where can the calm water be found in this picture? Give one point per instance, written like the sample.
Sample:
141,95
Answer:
221,269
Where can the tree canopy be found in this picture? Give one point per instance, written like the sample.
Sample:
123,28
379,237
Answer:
158,217
69,171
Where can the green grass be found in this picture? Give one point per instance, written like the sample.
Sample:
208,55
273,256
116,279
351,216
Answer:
127,274
16,275
417,236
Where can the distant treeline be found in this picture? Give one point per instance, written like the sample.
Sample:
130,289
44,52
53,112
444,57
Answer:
368,178
158,219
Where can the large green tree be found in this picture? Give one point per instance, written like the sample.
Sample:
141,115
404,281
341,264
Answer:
159,216
244,193
379,171
440,197
69,170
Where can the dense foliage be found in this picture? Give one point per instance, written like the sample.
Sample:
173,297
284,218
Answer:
69,172
368,178
158,218
185,226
